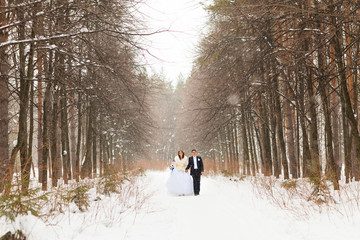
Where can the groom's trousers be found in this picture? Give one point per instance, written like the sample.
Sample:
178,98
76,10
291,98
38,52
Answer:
196,180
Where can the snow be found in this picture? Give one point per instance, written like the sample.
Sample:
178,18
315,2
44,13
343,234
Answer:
224,210
229,210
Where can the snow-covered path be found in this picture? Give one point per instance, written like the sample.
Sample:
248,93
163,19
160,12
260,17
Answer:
226,210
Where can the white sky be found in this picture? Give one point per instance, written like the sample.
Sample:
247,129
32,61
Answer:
186,20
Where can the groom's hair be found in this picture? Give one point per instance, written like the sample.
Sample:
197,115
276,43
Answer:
194,150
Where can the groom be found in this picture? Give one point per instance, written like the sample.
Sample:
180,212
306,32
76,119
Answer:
196,169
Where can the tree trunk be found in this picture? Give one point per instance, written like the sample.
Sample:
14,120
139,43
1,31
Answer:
280,133
40,119
289,123
332,171
94,148
45,136
21,146
261,151
351,80
231,148
267,166
251,147
31,126
277,170
101,148
40,55
253,137
65,136
78,144
333,168
86,168
305,144
245,141
237,170
72,134
4,100
54,137
30,77
314,161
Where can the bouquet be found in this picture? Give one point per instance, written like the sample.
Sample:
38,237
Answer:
171,167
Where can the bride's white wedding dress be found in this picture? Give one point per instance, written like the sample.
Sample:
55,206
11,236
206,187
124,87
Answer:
180,182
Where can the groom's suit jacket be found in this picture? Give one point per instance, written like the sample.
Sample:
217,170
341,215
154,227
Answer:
200,165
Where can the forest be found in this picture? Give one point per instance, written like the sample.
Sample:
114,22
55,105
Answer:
271,104
274,90
73,92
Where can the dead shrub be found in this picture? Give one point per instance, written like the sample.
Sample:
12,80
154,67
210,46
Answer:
303,198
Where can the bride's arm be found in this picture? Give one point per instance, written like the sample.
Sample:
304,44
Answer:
187,163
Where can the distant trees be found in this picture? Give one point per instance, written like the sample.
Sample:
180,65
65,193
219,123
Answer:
167,110
77,93
276,86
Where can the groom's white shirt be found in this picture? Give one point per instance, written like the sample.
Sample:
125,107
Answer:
195,162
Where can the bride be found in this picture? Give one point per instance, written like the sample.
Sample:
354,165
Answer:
180,182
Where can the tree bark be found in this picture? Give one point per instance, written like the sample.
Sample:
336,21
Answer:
45,136
251,147
54,137
277,169
86,168
78,144
323,83
289,123
280,133
31,126
245,141
267,166
305,144
94,147
72,134
333,168
22,142
4,100
236,165
40,68
65,136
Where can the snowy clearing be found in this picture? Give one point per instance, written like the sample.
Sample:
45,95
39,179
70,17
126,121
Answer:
224,210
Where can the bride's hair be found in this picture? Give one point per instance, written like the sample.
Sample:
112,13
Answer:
183,154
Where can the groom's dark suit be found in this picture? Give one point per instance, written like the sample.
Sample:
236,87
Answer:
196,173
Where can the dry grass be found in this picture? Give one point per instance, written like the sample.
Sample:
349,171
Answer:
211,169
107,200
302,199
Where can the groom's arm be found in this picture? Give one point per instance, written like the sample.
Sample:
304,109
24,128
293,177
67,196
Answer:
188,166
201,165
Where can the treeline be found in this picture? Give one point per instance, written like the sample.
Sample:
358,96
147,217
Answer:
275,88
72,92
166,104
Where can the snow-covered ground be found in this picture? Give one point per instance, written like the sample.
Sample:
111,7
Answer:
224,210
229,210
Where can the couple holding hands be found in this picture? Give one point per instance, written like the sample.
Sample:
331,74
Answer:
180,182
